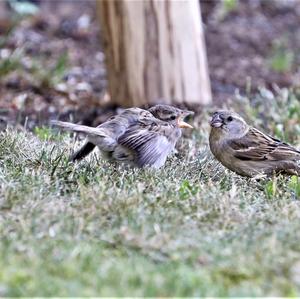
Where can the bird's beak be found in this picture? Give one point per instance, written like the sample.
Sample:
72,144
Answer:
180,120
216,121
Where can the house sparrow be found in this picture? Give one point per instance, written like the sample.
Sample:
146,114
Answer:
136,136
247,151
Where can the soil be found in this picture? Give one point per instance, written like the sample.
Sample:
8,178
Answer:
52,65
242,45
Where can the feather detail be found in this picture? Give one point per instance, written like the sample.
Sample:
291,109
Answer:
256,145
151,145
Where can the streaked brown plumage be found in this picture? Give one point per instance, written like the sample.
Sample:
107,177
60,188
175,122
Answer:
136,136
246,150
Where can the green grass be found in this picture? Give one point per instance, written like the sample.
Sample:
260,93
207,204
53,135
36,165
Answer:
189,229
281,58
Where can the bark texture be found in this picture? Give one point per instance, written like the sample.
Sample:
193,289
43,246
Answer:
154,50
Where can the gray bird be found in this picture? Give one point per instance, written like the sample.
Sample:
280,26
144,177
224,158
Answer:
247,151
136,136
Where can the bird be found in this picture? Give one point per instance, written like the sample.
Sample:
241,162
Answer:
248,151
135,137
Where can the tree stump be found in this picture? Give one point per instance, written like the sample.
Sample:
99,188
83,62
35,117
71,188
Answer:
154,49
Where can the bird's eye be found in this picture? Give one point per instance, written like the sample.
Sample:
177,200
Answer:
173,117
229,118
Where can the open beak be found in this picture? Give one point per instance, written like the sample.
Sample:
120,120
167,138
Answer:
180,120
216,121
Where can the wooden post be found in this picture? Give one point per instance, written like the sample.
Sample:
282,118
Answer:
154,49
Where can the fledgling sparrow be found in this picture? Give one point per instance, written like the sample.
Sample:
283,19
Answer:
136,136
246,150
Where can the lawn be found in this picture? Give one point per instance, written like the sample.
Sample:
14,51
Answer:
189,229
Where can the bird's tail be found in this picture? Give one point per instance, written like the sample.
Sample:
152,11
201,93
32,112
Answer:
78,128
95,136
83,151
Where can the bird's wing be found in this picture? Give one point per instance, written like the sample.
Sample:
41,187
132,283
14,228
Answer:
149,141
105,136
256,145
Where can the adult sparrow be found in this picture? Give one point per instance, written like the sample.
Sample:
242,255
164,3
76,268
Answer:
136,136
246,150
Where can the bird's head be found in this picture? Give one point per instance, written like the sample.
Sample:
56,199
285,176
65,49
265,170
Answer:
229,123
171,114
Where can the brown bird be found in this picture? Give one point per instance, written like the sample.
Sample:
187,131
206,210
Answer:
137,137
246,150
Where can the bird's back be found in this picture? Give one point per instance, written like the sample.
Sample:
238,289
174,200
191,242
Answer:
117,125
